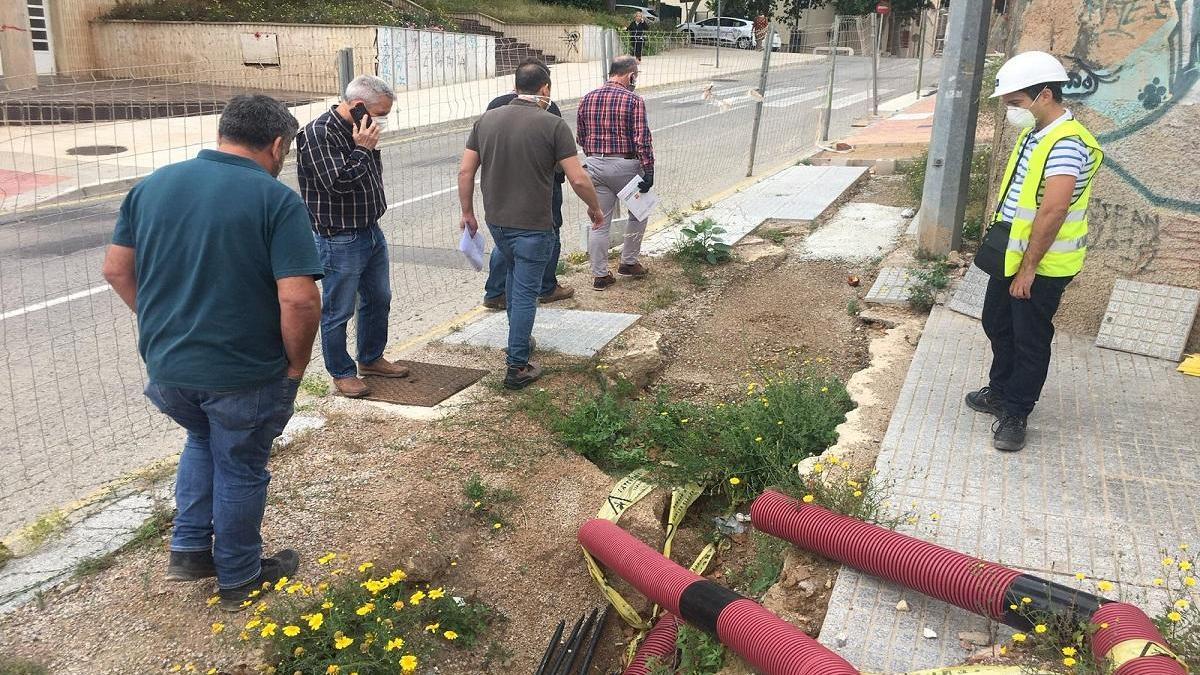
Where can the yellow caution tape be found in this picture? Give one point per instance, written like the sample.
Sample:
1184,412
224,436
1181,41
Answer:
975,670
1191,365
1124,652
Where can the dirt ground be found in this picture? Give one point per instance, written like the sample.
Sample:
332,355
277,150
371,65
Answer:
382,487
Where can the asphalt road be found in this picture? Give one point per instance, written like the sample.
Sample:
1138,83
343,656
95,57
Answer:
72,417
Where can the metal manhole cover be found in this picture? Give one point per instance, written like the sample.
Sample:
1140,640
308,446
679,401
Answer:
97,150
428,384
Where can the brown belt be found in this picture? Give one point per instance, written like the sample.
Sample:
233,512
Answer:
627,155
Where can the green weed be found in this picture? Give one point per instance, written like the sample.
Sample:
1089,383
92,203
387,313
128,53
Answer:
562,268
46,528
701,243
662,297
775,235
760,573
94,565
699,652
694,274
853,308
6,554
977,196
836,486
315,385
931,277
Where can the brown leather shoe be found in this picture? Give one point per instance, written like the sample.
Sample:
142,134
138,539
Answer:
496,303
382,368
351,387
560,292
636,270
601,283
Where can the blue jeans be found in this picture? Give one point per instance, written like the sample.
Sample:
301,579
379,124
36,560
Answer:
498,269
525,253
221,485
356,264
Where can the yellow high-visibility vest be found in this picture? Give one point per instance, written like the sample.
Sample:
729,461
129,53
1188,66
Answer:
1066,254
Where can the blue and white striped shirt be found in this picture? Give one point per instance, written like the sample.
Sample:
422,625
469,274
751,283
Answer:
1068,157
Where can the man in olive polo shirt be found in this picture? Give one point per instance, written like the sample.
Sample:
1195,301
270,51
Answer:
518,146
216,258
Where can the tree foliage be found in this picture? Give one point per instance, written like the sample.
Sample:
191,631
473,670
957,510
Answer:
860,7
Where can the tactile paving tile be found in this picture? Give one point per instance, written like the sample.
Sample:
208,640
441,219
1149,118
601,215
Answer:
568,331
427,384
890,287
968,299
1149,319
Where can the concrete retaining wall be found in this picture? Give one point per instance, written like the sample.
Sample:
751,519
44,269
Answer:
569,43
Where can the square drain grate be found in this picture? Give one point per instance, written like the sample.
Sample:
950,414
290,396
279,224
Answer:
427,384
1149,319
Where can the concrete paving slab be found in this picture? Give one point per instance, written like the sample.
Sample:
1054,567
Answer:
569,331
859,232
1103,486
890,287
99,534
968,298
796,193
1149,319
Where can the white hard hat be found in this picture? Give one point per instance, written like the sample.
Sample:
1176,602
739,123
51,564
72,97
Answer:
1026,70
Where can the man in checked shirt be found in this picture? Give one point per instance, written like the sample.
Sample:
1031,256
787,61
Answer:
612,129
341,180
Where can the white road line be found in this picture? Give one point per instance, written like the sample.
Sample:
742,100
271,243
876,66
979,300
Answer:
793,100
51,303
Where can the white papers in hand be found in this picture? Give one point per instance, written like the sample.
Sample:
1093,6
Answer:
471,246
640,204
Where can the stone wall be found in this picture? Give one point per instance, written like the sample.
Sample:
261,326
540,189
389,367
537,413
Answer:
1135,66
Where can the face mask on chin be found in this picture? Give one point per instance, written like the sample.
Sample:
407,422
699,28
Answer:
543,102
632,83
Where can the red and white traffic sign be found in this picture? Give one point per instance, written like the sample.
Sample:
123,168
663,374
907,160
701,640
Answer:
883,6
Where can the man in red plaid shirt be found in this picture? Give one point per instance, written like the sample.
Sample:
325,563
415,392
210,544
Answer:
612,129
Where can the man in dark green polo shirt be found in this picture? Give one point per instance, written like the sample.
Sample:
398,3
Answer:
215,257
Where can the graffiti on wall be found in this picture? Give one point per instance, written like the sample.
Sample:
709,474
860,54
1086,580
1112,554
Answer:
1135,65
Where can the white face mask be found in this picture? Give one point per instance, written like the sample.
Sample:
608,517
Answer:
381,122
1020,117
536,98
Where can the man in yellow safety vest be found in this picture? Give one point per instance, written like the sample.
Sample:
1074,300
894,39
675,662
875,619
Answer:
1037,241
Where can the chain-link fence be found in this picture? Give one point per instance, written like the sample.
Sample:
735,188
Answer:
72,416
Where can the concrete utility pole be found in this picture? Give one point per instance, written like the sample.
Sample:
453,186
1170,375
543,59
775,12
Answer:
947,174
16,48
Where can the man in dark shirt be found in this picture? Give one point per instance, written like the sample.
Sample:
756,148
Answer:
341,179
216,259
551,290
518,147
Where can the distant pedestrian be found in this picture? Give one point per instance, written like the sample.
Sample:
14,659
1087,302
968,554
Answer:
340,170
637,35
215,257
551,290
760,31
518,146
1037,241
612,128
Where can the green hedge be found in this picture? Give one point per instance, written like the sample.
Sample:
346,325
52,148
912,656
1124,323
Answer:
341,12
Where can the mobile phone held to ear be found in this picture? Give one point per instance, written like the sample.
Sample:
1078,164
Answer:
359,112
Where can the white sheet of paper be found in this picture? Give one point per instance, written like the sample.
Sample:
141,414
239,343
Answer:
472,248
640,204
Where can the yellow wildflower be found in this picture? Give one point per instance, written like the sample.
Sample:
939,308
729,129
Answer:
213,600
1182,604
315,620
366,566
735,480
1068,651
326,559
758,439
1168,561
450,635
394,643
243,636
281,583
834,460
342,642
1175,616
397,576
1018,637
416,598
1068,662
291,631
333,669
398,605
496,526
262,607
1189,581
176,668
365,609
323,586
1185,566
298,652
327,605
858,493
824,389
253,623
433,627
268,630
1080,576
818,467
217,627
437,594
1105,585
294,588
808,499
1012,607
1159,581
1040,628
408,663
1026,600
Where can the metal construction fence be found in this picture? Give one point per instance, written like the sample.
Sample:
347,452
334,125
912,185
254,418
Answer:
72,414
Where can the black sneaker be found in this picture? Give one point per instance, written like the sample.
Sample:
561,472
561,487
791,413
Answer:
986,401
1008,433
282,564
190,566
601,283
497,303
519,377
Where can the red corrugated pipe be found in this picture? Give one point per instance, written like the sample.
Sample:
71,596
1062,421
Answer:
765,641
659,644
1130,641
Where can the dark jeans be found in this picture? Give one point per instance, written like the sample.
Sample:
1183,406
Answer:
221,486
356,265
525,253
1020,332
498,269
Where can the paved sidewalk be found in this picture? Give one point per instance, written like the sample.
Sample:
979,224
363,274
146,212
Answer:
39,154
1107,480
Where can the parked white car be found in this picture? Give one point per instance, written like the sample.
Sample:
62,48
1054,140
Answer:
648,14
737,32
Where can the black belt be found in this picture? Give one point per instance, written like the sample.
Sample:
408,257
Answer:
627,155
